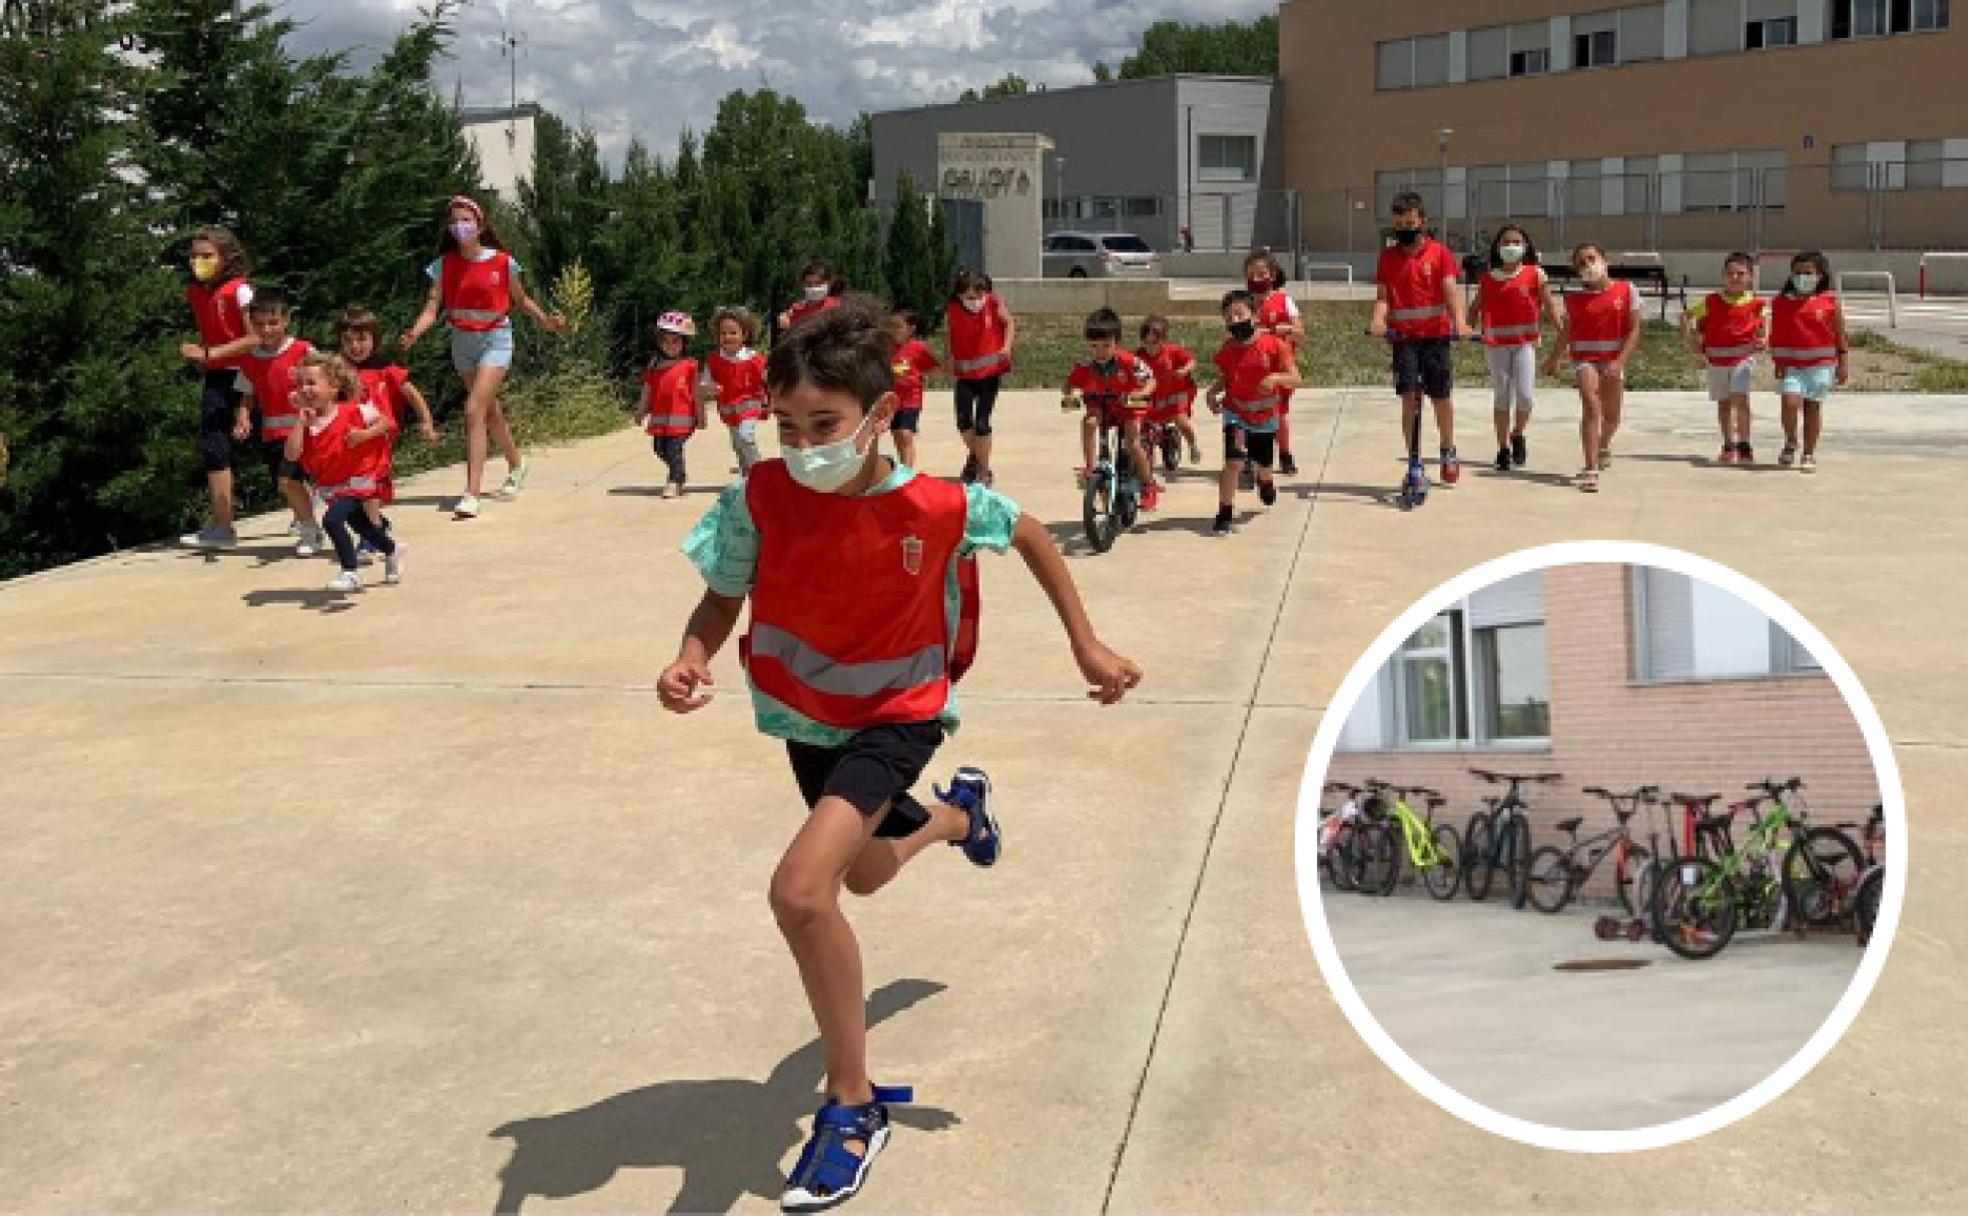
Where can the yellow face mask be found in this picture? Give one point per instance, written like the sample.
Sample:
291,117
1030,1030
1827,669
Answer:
205,266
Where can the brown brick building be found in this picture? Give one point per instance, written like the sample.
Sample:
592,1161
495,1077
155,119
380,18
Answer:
1681,124
1612,675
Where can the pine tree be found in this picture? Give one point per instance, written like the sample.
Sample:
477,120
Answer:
911,263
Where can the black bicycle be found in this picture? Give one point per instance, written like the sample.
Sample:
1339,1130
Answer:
1500,838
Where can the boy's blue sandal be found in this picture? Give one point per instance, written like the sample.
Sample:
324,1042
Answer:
970,791
827,1174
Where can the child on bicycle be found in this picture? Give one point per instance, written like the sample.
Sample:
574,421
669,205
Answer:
1174,369
1115,388
837,669
1253,368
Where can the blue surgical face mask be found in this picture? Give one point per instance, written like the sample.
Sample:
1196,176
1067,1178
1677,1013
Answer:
827,467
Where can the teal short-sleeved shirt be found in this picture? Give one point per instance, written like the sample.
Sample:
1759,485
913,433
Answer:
724,546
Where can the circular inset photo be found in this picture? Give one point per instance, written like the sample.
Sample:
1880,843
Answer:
1601,846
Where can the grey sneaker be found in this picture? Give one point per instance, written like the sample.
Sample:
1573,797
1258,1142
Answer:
516,480
211,536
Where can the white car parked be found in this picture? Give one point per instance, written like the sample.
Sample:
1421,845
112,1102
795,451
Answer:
1081,255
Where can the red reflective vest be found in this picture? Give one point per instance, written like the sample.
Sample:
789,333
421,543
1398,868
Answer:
1243,368
804,308
272,379
976,340
672,399
1508,308
1107,393
1273,310
909,364
384,386
740,384
1597,320
1803,330
1173,393
1729,331
1416,306
477,295
340,471
219,316
849,625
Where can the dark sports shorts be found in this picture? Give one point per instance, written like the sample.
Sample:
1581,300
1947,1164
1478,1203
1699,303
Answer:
274,453
906,419
217,408
975,401
1424,365
874,769
1258,447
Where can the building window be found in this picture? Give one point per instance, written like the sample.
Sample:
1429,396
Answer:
1428,688
1872,18
1513,696
1774,31
1596,50
1642,33
1226,158
1732,181
1530,63
1394,63
1146,205
1686,629
1715,27
1930,14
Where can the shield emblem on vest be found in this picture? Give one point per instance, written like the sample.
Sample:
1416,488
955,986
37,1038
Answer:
912,553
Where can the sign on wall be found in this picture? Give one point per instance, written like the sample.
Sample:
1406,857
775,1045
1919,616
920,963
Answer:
1004,172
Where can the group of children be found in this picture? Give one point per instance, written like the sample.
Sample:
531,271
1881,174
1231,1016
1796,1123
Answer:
324,423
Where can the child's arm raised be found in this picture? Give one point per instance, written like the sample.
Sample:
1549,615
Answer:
433,300
1109,673
425,426
710,625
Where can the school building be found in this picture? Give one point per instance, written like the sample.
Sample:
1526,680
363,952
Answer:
1616,676
1151,157
503,138
1675,125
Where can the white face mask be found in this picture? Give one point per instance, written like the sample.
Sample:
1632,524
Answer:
976,305
1511,253
827,467
816,293
1593,272
1805,283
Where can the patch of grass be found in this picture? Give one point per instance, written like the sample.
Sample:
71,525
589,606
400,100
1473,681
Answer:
1338,353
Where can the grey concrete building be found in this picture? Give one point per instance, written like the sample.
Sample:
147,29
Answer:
1146,156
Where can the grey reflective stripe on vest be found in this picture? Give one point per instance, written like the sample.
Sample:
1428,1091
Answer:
1597,347
738,406
476,314
353,483
1418,314
1804,352
978,365
822,674
1728,352
1259,406
270,421
1511,331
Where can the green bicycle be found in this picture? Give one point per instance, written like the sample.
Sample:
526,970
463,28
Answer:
1769,882
1431,849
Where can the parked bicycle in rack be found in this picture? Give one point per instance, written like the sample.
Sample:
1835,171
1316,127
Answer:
1500,838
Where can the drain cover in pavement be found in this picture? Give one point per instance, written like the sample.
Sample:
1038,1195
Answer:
1602,964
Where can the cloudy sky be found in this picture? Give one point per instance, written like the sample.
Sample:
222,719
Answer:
653,67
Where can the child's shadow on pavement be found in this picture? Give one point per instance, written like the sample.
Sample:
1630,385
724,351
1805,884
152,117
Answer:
727,1136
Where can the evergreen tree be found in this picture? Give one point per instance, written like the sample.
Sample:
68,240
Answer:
1233,48
911,264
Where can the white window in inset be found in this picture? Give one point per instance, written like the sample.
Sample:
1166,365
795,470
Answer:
1510,680
1226,158
1687,629
1428,690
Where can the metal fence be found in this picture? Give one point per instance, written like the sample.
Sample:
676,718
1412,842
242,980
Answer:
1881,205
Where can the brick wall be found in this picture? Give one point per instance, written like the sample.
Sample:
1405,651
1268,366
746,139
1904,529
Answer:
1708,736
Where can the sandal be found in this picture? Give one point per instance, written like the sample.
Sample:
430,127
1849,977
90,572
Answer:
1605,459
1589,480
827,1173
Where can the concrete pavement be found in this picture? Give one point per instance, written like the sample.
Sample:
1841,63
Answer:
416,900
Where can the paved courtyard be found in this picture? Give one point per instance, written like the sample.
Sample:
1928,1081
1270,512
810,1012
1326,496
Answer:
416,901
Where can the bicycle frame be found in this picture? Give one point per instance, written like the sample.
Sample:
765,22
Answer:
1417,834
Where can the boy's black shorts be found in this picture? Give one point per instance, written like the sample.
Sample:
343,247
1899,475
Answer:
217,408
1258,447
1424,365
875,768
906,419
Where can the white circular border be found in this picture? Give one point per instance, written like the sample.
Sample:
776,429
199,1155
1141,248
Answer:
1543,1135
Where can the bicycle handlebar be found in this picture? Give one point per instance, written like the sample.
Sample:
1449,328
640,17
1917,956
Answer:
1536,778
1639,794
1776,788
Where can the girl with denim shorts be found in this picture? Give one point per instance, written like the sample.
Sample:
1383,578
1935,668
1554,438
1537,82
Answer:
1601,329
1808,346
477,284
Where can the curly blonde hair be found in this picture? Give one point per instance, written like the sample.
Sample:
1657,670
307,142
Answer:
340,373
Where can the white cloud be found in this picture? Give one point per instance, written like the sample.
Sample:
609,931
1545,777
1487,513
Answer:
651,68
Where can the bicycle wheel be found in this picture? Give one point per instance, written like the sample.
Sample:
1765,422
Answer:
1643,893
1387,850
1629,868
1098,509
1865,902
1694,911
1477,839
1171,449
1549,886
1821,872
1339,860
1444,877
1517,862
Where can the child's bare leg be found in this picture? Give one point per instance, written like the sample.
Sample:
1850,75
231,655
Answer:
983,450
1410,408
1131,432
905,447
1791,402
475,411
1445,420
805,896
1523,419
884,857
1612,400
501,433
1741,402
1725,417
1089,425
1187,429
1589,387
1226,482
1813,426
219,485
299,501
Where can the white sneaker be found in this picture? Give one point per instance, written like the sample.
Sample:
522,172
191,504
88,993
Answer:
393,564
347,580
296,528
304,546
516,480
211,536
467,507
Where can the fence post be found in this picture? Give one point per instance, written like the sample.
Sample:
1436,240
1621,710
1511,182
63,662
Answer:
1224,230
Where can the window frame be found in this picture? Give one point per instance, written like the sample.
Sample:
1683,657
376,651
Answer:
1207,173
1485,708
1453,652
